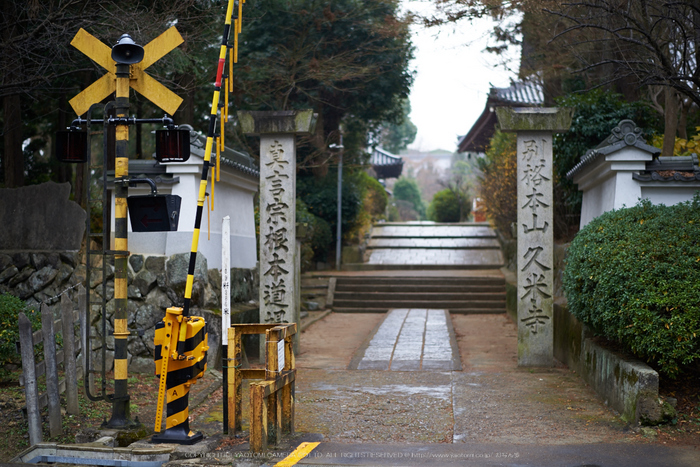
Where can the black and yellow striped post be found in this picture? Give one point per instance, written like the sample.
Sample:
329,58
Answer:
120,401
207,157
181,340
177,372
125,63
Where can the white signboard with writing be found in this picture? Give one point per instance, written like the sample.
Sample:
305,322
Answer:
280,355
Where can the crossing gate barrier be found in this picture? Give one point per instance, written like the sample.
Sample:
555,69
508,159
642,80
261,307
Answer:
181,344
272,397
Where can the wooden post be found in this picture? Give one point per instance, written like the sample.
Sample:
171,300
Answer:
84,329
234,381
258,418
51,372
274,406
31,393
69,355
287,423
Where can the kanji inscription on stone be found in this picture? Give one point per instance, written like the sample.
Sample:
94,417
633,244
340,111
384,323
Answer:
277,228
279,262
535,246
534,127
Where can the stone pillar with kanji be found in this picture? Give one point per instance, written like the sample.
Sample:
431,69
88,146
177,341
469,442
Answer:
278,131
535,239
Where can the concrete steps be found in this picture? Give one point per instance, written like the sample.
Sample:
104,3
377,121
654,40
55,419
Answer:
369,294
424,245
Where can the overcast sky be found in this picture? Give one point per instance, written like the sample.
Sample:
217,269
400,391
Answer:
452,79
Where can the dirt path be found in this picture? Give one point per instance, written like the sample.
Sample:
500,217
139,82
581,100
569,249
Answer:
490,401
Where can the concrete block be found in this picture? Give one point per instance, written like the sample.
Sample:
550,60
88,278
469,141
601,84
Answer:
629,386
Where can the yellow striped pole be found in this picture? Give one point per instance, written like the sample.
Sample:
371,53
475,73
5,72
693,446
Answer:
207,158
120,403
181,340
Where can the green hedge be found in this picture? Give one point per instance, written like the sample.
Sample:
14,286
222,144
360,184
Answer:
633,276
320,237
10,307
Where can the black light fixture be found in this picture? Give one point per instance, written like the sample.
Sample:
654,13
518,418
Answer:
126,51
172,145
154,213
71,145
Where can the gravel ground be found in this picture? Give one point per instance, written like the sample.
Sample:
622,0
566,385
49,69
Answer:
375,406
490,401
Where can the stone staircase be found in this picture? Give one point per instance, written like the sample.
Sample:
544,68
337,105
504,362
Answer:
379,293
454,267
426,246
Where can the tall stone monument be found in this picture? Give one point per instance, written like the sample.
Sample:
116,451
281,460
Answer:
534,128
278,253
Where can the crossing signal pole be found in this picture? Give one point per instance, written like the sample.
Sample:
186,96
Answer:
125,53
125,64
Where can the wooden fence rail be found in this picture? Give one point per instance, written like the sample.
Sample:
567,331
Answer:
49,366
272,399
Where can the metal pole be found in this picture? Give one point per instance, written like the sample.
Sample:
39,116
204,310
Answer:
120,403
339,229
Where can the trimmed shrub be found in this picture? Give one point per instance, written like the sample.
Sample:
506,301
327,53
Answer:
321,198
444,207
632,276
10,307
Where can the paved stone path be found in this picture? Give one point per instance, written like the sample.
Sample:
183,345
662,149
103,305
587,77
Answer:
411,340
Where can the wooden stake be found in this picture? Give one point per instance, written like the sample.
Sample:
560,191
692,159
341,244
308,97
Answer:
69,355
31,393
258,418
47,330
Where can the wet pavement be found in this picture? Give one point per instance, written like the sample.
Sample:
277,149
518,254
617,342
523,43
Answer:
418,386
489,413
467,246
411,340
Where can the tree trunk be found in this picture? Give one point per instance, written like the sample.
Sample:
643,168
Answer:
686,105
13,157
64,172
670,121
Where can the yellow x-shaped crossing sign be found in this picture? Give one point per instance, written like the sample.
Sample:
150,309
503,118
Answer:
147,86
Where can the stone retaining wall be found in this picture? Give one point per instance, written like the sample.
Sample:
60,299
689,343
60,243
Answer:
626,384
154,284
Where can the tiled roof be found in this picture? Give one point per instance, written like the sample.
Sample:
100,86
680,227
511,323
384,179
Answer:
386,164
518,94
626,133
237,160
671,169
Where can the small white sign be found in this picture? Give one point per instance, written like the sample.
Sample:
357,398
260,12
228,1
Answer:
225,276
280,355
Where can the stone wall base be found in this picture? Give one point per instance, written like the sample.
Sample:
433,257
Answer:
154,284
624,383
